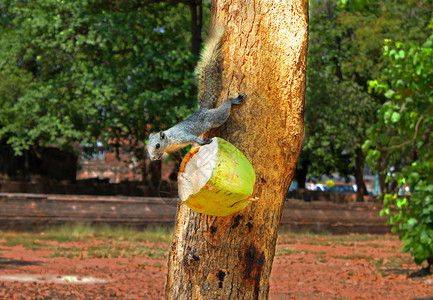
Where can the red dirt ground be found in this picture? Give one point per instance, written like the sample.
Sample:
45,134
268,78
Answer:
305,267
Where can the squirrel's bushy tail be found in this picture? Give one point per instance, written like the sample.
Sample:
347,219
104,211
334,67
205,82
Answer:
209,69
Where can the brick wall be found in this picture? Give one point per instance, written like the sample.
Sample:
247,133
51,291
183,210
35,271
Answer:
29,210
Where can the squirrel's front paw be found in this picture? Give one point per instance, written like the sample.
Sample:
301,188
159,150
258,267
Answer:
239,99
207,141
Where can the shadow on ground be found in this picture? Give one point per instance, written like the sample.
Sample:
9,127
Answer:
5,262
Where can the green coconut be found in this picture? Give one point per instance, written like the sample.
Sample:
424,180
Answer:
216,179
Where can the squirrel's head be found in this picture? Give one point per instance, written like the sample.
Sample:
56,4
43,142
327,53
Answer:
158,142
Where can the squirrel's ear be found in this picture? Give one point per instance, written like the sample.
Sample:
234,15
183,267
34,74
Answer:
150,135
162,135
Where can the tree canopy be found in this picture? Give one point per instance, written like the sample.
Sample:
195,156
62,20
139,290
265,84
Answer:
345,46
75,71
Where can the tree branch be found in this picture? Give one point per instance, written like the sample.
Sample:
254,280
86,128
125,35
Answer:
414,135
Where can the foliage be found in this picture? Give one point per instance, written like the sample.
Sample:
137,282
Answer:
92,70
403,135
346,40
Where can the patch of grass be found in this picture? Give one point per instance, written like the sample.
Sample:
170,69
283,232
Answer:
328,239
392,262
286,251
69,232
372,245
353,256
28,241
111,250
86,232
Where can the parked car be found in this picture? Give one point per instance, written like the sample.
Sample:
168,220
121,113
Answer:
322,187
343,188
311,186
293,186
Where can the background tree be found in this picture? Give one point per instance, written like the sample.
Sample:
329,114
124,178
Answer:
95,70
264,57
402,141
346,41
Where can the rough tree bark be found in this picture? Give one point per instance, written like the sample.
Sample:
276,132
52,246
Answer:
265,55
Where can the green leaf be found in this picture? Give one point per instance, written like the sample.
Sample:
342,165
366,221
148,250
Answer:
418,69
366,145
402,202
374,154
412,222
395,117
389,94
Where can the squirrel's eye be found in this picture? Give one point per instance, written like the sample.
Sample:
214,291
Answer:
157,146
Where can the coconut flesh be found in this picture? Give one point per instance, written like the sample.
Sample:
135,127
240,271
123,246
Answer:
216,179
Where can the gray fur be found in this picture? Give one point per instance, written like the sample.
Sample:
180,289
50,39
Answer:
187,131
209,69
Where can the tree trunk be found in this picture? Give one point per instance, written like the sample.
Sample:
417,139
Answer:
359,175
196,8
152,177
302,170
265,53
381,171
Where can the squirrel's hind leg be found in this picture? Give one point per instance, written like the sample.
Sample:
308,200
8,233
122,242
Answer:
219,116
191,138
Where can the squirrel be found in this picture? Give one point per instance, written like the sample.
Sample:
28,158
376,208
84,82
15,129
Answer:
209,79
